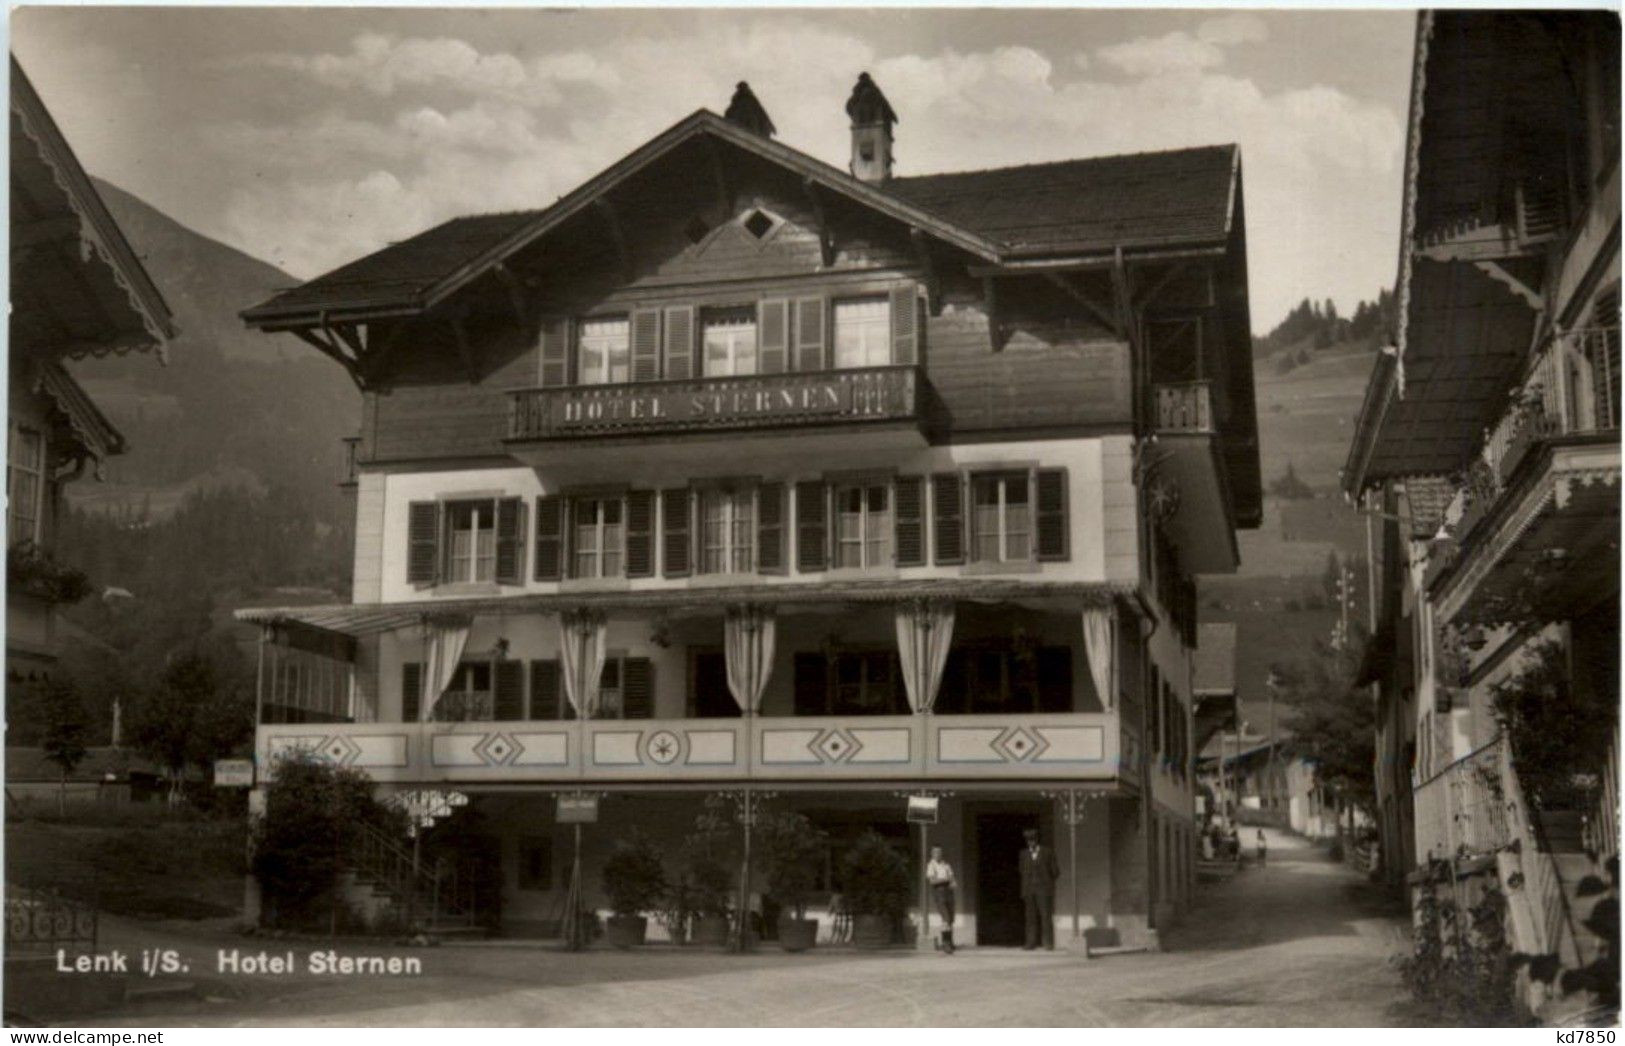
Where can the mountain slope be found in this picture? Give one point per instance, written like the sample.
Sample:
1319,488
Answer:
233,407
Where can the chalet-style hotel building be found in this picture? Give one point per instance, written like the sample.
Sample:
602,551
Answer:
732,471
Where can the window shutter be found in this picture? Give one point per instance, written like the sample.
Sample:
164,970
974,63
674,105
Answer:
905,324
770,558
679,342
812,684
812,527
546,693
508,685
640,533
676,547
645,344
910,516
555,352
637,688
1052,523
948,507
422,542
773,331
549,538
411,690
510,541
810,334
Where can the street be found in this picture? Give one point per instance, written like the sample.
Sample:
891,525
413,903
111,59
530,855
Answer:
1302,941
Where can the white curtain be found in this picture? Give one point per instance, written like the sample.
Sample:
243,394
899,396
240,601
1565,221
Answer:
925,628
1100,641
748,635
443,642
582,634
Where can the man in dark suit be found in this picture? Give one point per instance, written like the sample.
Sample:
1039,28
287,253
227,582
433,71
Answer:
1038,874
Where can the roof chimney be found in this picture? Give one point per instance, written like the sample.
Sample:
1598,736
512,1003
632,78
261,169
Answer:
747,112
872,118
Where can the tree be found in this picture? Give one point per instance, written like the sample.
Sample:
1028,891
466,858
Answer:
1332,724
192,716
65,733
1289,486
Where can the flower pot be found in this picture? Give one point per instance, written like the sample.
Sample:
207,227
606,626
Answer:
872,931
710,931
797,935
626,931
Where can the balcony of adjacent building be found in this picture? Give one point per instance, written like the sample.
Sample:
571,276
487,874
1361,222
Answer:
1534,526
1015,695
1185,476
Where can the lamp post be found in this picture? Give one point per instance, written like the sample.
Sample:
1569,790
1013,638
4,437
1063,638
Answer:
747,810
1074,803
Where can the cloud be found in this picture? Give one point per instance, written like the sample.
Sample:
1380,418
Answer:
416,130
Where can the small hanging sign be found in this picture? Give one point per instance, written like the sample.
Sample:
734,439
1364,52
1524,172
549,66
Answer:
922,809
577,809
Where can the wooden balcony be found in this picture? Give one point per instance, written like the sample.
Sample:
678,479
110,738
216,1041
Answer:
786,749
1185,407
862,396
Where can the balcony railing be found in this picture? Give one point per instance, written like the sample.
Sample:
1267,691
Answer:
1463,809
862,395
1052,746
1572,389
1185,407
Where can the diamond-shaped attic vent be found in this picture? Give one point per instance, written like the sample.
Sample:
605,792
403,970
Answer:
758,224
696,229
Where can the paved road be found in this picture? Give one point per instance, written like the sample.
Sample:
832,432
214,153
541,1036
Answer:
1299,942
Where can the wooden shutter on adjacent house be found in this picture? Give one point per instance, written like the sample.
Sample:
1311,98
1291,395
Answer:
770,555
812,684
510,541
810,334
677,542
812,527
679,342
555,351
910,516
546,692
640,533
645,344
1052,522
508,686
411,690
637,688
773,334
423,542
905,324
948,508
549,538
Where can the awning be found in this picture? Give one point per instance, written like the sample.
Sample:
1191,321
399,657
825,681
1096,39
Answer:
370,619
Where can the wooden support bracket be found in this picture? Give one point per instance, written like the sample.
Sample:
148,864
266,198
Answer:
1100,310
465,348
826,238
719,174
331,349
928,266
1495,272
612,219
995,322
374,364
516,292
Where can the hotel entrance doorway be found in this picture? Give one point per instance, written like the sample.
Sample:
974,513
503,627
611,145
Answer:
1000,918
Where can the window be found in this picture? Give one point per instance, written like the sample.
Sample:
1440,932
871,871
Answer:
1006,678
610,697
727,531
863,525
1001,518
468,698
863,333
472,550
730,342
626,688
600,538
604,351
536,863
25,483
849,682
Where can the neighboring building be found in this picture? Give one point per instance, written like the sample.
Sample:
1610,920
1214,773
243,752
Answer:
732,470
1216,709
77,290
1489,440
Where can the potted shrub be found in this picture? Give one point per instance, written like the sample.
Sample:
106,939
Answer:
709,888
877,889
792,850
636,884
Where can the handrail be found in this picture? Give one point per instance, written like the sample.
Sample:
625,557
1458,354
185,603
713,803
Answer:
1541,876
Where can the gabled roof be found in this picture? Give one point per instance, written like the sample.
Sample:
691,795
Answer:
1082,206
1181,196
78,288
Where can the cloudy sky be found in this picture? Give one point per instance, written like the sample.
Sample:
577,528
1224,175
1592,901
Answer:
309,137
